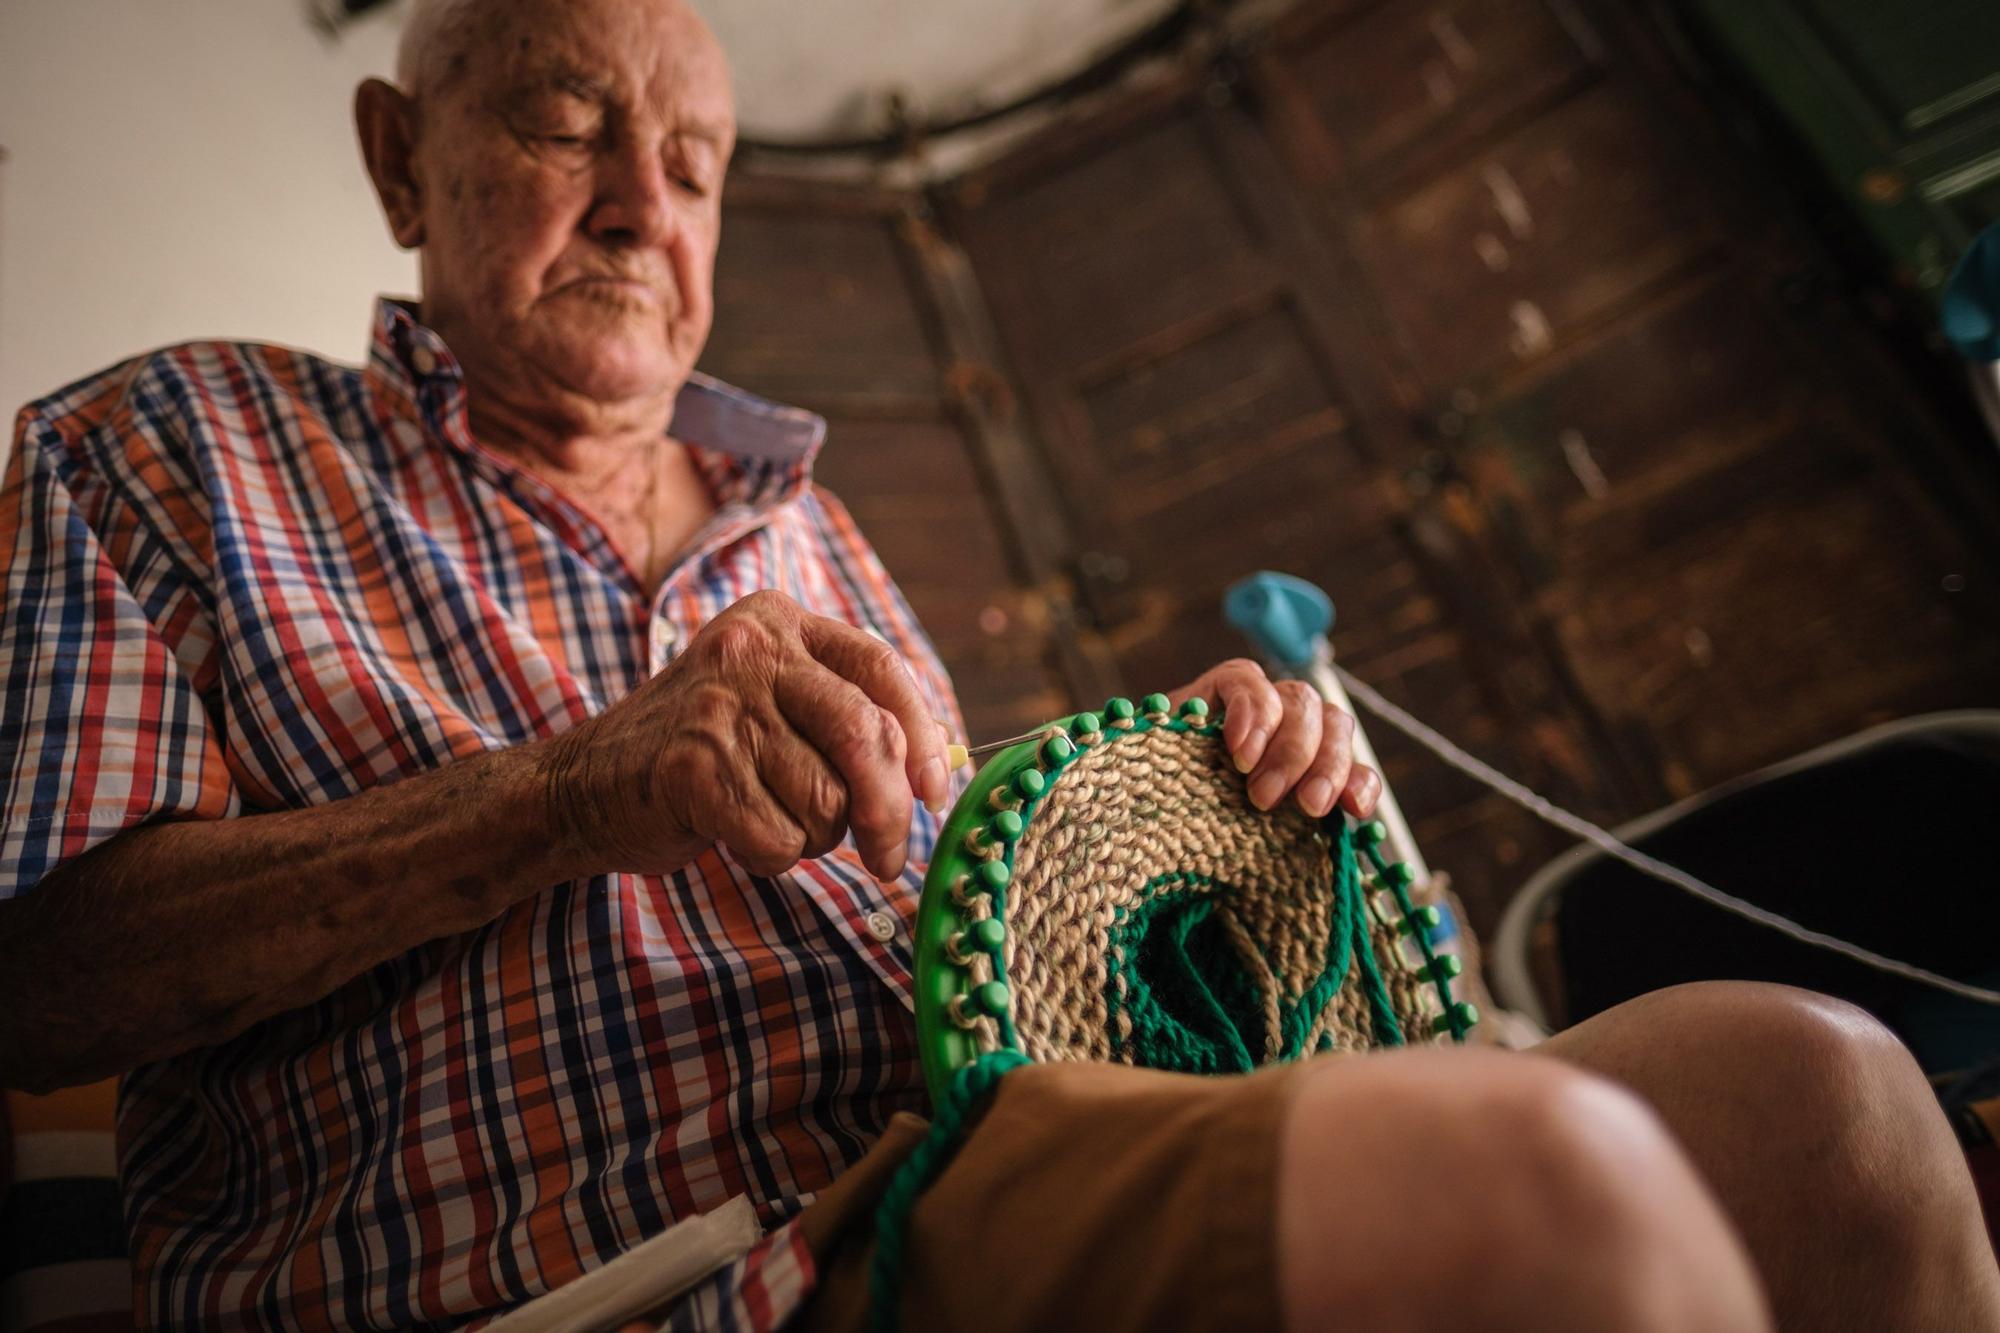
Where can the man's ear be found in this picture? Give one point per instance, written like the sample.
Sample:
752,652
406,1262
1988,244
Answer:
386,119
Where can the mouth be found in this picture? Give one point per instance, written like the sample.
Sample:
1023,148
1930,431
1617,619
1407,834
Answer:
620,290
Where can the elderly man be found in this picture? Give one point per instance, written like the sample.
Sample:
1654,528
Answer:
477,801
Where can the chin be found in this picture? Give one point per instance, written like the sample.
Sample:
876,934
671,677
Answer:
616,371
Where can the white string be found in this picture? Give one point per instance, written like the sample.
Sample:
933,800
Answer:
1609,843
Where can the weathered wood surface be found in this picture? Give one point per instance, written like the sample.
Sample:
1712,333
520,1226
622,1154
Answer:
1456,309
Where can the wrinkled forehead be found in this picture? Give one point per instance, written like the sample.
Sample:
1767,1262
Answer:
652,53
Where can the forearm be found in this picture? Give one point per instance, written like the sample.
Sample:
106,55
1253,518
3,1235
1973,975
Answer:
175,936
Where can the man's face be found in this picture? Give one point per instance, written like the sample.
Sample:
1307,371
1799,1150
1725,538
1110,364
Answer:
572,157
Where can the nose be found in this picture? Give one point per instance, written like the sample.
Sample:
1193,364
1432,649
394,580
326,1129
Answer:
635,203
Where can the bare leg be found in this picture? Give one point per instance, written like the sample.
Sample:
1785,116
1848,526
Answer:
1435,1190
1819,1134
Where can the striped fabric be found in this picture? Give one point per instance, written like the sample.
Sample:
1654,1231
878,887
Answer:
62,1239
240,578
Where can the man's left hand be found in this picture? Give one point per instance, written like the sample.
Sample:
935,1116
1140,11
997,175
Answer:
1288,739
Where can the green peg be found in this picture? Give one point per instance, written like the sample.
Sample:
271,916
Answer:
1119,710
1004,827
990,998
1195,708
989,934
1423,918
1462,1015
1156,703
993,875
1057,748
1029,783
1371,833
1398,875
1445,967
1087,724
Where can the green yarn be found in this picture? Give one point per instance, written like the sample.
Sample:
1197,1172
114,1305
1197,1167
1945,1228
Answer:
969,1088
1187,1013
1192,1005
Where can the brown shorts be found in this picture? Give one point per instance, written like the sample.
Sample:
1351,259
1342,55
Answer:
1089,1196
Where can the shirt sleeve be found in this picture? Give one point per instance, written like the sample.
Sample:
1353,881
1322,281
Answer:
101,726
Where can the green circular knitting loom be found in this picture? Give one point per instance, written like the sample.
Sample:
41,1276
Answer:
1106,891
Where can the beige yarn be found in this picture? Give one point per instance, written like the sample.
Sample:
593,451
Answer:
1134,805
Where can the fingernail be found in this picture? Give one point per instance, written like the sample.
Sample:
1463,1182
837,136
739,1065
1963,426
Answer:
1316,796
933,785
1265,791
1250,751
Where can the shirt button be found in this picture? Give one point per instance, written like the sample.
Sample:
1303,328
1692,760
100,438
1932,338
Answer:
665,636
882,926
424,360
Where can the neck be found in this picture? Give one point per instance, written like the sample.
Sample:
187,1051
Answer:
619,465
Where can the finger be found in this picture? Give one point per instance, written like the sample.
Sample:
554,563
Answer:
1251,710
1292,746
1326,777
865,745
807,786
883,675
1363,791
735,809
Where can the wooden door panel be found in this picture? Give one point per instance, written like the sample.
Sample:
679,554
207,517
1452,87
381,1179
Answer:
1244,383
1688,386
1771,605
1155,205
1516,251
1406,77
818,309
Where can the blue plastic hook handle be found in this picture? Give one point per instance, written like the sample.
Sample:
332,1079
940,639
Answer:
1280,613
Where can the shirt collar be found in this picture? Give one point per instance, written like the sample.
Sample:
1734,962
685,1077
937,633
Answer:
768,446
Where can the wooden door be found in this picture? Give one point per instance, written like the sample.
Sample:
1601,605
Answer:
1459,310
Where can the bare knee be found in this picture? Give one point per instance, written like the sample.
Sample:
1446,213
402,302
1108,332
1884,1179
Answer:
1844,1080
1528,1194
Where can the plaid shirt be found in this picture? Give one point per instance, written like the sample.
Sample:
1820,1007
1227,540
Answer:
239,578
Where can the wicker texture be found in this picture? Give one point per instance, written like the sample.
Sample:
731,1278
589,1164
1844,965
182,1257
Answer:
1157,917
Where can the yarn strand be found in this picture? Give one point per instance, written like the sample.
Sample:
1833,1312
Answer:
969,1089
1611,845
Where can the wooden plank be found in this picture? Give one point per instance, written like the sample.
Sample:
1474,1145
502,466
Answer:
1769,607
818,307
1507,256
1414,81
1120,245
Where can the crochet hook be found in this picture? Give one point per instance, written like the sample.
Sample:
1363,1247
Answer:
958,756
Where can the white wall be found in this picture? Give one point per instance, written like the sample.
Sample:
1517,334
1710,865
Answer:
181,169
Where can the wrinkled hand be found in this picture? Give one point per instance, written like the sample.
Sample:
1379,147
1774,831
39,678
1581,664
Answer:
1287,739
775,734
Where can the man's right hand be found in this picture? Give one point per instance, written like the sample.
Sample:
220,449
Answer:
775,734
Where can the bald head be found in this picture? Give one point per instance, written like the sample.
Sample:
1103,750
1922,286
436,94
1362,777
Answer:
442,38
433,40
560,165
